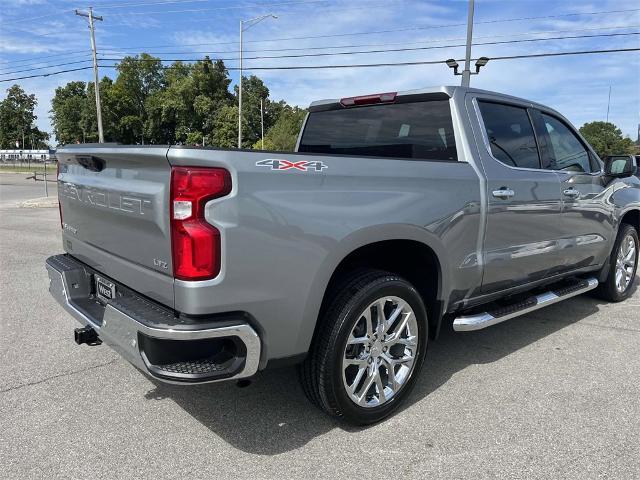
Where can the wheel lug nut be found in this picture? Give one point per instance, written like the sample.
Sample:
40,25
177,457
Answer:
384,349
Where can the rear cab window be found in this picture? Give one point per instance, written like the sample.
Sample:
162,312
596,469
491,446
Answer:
510,134
421,130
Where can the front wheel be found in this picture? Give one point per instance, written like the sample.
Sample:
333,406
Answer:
623,265
369,348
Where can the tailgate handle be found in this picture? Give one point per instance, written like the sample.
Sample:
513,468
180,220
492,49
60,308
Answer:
92,163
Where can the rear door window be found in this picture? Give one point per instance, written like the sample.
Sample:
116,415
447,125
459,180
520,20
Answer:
510,134
419,130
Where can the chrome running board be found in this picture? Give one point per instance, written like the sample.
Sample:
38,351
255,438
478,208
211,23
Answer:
486,319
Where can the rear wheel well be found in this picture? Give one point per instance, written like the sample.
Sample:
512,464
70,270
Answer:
632,218
412,260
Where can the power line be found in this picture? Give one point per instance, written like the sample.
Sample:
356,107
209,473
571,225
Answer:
8,71
61,54
509,57
411,49
394,50
143,4
109,6
46,67
608,27
36,18
379,31
104,6
329,47
21,63
368,65
47,74
562,54
270,5
236,7
32,34
319,10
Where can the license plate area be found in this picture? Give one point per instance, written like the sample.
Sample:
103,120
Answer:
105,290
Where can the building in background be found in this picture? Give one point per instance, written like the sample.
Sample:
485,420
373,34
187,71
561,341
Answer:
36,156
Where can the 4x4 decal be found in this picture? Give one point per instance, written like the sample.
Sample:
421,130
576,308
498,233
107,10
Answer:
302,165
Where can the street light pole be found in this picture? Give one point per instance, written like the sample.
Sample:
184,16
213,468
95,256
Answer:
466,73
250,23
606,137
262,123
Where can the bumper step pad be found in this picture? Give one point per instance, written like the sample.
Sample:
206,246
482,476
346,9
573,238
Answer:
158,341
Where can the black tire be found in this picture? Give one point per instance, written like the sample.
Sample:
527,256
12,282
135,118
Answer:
608,290
321,373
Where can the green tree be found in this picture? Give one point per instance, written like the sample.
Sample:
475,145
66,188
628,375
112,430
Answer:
283,135
225,127
17,119
159,104
253,89
67,107
606,138
138,78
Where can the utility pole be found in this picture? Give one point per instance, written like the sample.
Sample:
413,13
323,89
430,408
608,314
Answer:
606,137
240,94
466,73
91,18
250,23
262,123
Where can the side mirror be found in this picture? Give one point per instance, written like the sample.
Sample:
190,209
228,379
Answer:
620,166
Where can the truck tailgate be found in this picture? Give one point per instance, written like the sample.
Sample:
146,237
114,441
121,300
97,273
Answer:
115,214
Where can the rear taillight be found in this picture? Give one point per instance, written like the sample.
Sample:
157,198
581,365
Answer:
195,243
59,204
388,97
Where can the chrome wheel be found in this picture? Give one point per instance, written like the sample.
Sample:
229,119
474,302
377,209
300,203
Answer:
626,263
381,352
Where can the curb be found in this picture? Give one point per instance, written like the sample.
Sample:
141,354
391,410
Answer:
42,202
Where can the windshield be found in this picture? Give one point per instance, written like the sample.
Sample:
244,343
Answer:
419,130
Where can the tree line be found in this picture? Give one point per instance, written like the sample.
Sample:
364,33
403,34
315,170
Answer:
184,103
151,103
17,121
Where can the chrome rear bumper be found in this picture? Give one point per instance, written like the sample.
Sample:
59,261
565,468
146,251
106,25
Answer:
149,336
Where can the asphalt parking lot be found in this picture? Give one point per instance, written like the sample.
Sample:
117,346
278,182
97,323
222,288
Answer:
553,394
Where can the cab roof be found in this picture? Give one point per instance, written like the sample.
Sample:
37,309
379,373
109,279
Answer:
427,93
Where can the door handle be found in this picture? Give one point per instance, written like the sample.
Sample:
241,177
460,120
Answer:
504,193
571,193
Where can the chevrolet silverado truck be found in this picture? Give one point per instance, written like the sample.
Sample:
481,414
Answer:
398,215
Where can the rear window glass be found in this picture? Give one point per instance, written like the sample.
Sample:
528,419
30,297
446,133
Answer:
510,134
420,130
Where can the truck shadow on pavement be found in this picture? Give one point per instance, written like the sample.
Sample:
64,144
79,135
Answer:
273,416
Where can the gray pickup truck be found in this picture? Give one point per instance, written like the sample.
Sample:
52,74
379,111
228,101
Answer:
398,214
